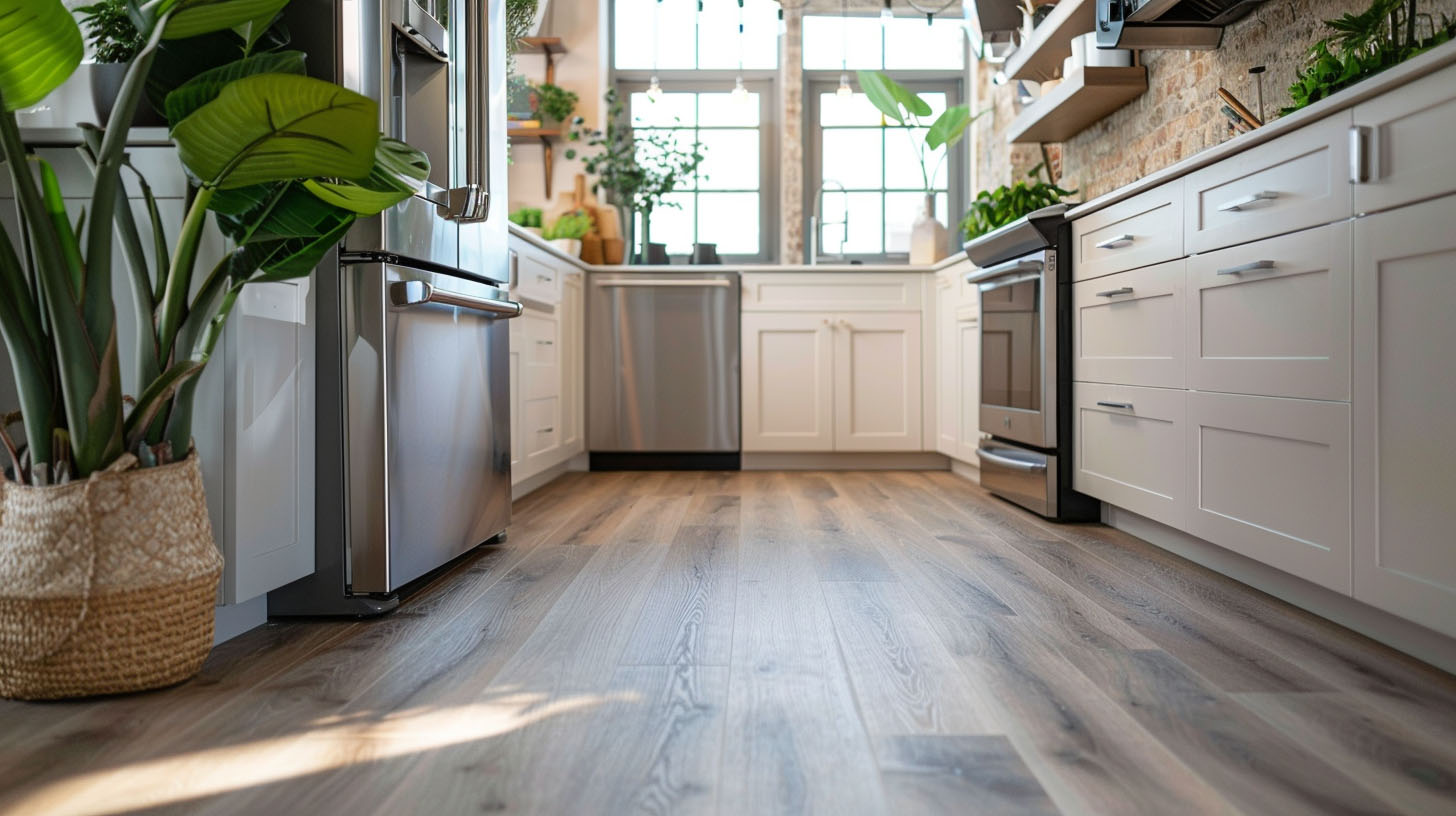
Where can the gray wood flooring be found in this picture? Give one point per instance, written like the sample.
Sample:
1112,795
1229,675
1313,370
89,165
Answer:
763,643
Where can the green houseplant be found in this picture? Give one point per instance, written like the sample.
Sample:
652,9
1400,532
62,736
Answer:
996,208
284,164
556,103
636,170
1363,44
928,237
114,41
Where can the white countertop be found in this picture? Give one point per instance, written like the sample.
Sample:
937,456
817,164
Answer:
542,244
1406,72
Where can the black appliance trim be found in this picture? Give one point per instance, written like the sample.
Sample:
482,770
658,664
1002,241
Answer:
666,461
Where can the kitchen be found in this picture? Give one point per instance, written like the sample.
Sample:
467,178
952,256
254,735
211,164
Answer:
1086,457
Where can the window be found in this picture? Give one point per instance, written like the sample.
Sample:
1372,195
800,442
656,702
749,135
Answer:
674,35
864,177
724,203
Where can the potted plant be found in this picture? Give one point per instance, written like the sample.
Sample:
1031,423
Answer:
566,232
108,570
637,173
114,41
928,237
993,209
555,103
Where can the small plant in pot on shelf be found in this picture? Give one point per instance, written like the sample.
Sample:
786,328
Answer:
993,209
114,41
108,570
555,103
928,237
566,232
637,171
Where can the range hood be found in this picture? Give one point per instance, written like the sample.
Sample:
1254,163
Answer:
1189,25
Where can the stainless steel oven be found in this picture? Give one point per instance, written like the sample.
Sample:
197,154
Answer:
1026,365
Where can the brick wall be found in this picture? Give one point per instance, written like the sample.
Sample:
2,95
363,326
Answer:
1179,115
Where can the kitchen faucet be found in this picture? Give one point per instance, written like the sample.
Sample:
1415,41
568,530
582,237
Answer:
816,240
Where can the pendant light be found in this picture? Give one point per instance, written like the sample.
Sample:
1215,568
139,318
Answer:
654,88
843,90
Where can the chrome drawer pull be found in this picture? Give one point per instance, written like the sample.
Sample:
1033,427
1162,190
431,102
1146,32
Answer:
1252,266
1116,242
545,343
1126,290
547,429
1238,204
1126,406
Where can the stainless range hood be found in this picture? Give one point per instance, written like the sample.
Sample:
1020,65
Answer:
1189,25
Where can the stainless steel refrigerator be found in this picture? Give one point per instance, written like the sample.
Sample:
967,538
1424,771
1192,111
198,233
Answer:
413,431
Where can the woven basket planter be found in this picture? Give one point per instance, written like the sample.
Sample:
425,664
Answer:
107,585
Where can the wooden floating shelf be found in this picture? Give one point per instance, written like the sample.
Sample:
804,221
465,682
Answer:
1082,99
1040,58
532,134
541,45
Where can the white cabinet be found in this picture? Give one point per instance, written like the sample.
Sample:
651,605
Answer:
877,381
967,346
1129,448
548,369
1404,442
1406,136
957,340
788,381
1270,478
1129,327
832,362
947,404
1143,230
1273,317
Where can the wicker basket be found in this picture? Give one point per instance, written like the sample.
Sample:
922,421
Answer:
107,585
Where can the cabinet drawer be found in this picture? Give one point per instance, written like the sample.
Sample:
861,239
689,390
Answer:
542,426
1145,229
1128,448
1270,479
1407,144
1296,181
830,292
1273,317
1128,327
540,366
535,279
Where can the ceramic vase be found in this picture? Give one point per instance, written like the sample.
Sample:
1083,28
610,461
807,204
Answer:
928,236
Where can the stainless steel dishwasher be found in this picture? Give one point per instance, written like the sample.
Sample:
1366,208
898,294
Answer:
662,360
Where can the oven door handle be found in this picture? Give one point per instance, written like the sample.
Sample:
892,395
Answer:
1002,283
1009,463
1001,270
416,293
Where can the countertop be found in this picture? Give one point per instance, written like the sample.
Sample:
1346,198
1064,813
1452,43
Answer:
1406,72
544,245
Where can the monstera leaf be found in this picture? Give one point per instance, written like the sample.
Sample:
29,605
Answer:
193,17
275,127
40,46
399,171
205,87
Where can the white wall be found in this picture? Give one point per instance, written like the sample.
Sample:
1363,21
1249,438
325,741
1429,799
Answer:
583,69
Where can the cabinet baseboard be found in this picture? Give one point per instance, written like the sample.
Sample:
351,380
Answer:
845,461
1397,633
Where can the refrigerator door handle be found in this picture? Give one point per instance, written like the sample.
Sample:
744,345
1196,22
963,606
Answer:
415,293
471,202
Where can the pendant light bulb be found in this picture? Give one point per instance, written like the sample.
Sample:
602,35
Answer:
654,89
844,89
740,93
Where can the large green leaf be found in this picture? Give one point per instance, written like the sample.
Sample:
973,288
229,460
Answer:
948,127
399,171
877,87
40,46
194,17
275,127
205,87
912,101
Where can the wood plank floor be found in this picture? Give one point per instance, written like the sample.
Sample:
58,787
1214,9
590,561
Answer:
762,643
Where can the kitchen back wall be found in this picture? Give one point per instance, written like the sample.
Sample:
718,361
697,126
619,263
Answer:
1179,115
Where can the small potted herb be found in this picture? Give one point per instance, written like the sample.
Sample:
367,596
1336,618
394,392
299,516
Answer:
114,42
993,209
566,232
555,103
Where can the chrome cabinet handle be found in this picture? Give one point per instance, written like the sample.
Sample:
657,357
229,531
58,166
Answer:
547,429
545,278
515,268
1116,242
1126,290
1009,463
1238,204
545,343
1359,154
1126,406
1251,266
415,293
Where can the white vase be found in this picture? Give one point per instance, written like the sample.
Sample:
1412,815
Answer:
927,236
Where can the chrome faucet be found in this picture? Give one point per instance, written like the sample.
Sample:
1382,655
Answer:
817,228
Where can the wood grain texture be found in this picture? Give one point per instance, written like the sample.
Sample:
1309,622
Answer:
773,643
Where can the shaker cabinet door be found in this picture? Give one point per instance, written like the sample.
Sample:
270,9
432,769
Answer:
947,384
877,382
1404,401
788,371
1403,139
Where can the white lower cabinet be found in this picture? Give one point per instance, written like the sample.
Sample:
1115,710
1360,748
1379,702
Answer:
1270,478
788,381
1404,440
947,406
877,381
957,340
1129,448
548,368
968,386
1129,327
